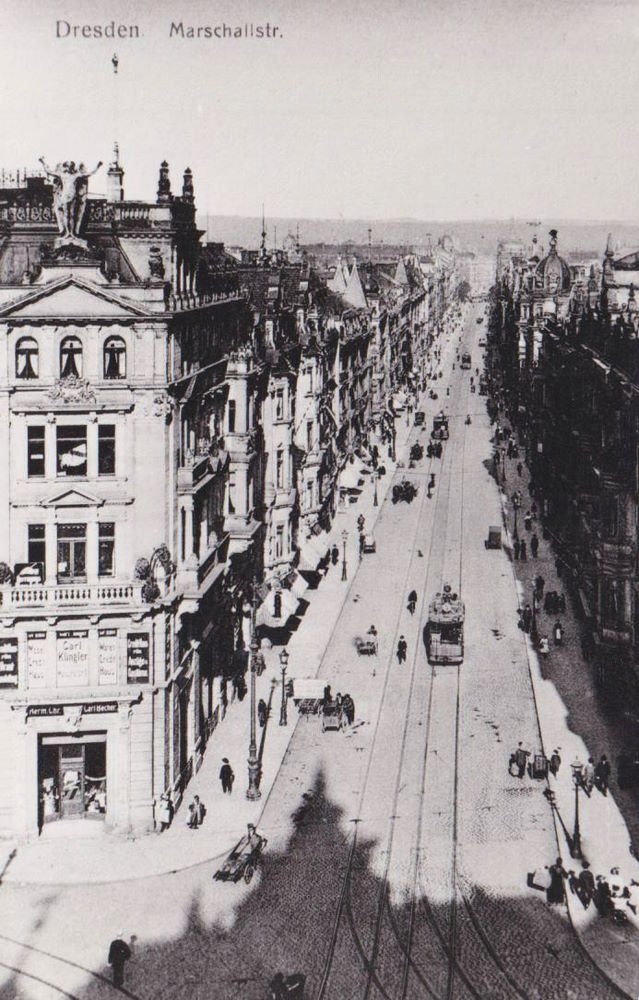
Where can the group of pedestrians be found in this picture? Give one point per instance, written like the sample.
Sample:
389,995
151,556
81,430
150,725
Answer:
610,896
344,703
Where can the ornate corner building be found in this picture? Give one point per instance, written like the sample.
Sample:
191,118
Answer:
175,423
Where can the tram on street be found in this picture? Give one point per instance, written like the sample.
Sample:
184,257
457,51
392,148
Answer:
466,361
444,630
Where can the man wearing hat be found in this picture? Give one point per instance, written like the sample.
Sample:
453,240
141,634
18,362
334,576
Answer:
119,953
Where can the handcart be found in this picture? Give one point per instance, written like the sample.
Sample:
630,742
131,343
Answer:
243,860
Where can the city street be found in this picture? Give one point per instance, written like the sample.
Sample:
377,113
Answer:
399,848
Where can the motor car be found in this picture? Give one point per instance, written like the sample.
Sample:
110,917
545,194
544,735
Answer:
420,417
369,544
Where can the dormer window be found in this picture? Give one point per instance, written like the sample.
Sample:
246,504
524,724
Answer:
71,358
114,358
27,358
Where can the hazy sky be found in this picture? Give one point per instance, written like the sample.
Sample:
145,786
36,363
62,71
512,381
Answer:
443,110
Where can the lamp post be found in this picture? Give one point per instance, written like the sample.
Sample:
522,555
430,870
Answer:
575,846
253,791
284,664
375,478
534,634
344,537
515,510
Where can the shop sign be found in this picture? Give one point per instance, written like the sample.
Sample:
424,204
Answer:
107,656
92,708
36,659
72,660
9,660
137,657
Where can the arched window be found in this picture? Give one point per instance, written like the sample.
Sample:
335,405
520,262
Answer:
27,361
114,358
71,358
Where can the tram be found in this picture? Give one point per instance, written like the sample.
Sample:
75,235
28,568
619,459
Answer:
466,360
445,628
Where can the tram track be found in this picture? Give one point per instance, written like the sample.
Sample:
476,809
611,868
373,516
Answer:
446,952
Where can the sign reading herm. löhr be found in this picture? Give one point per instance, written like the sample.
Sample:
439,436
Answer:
9,660
137,657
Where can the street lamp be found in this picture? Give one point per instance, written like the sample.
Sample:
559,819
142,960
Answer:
344,537
284,664
575,846
516,510
534,634
375,478
253,791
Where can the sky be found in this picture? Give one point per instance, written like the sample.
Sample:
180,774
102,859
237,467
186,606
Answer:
426,109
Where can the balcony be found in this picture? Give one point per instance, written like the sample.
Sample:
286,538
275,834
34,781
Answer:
56,596
194,469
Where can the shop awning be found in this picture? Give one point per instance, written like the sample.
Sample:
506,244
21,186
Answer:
297,584
277,608
349,478
312,552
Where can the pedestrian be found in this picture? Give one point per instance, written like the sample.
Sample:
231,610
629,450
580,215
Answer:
328,694
586,884
540,583
516,548
558,567
361,544
602,775
349,709
339,701
262,712
402,647
554,763
191,817
520,468
534,546
533,510
555,893
335,555
522,551
588,779
165,812
361,521
544,646
412,601
119,954
526,617
226,776
528,521
558,633
536,602
521,758
200,809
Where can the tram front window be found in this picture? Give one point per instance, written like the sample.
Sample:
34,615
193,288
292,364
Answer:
451,633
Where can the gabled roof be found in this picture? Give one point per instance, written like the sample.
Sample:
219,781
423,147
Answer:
69,296
354,293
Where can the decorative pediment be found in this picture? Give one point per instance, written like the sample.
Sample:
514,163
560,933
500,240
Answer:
72,498
70,297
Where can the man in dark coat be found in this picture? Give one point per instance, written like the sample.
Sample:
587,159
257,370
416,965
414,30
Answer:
402,647
555,893
534,546
119,953
602,775
334,555
226,776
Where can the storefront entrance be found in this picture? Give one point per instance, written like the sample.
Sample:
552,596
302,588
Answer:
72,777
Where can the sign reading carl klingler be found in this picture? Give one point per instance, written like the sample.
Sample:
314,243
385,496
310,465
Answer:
137,657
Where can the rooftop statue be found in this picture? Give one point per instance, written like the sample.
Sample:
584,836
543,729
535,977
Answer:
70,193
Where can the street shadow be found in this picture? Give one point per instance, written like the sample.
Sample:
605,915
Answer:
285,921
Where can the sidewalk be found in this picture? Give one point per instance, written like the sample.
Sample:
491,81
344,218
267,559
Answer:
571,721
87,854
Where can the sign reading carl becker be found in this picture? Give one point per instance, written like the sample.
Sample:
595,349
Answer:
137,657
